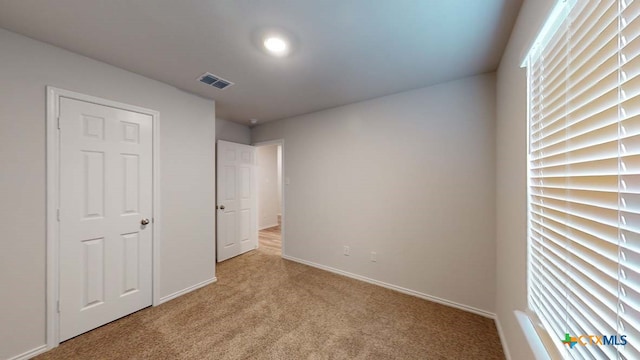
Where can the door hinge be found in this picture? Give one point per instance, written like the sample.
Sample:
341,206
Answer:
58,306
58,214
58,122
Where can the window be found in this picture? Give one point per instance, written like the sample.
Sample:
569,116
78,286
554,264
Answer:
584,179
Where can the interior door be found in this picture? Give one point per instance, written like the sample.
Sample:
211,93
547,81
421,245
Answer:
237,200
105,206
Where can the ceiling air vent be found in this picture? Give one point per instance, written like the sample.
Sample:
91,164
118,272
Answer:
215,81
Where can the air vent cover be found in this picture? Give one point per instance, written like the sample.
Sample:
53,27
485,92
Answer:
215,81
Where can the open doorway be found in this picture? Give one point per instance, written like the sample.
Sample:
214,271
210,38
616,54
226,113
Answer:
269,159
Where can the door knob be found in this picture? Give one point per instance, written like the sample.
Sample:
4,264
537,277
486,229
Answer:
144,222
221,207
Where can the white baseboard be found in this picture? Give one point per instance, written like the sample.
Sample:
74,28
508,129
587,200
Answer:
176,294
31,353
395,287
503,340
268,226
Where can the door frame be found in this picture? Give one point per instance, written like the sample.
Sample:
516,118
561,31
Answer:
53,96
283,186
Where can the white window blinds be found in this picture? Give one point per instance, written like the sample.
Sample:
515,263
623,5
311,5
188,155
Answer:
584,178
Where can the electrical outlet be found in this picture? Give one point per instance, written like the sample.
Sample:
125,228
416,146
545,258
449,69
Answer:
347,251
374,256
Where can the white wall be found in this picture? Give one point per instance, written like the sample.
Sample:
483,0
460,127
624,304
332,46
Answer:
233,132
511,179
187,175
410,176
268,205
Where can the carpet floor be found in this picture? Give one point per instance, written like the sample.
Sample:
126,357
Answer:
265,307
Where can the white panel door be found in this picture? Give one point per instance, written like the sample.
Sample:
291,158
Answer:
237,200
105,199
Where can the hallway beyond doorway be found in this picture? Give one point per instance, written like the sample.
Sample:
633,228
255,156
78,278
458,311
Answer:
270,239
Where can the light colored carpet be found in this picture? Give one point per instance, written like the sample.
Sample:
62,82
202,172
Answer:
264,307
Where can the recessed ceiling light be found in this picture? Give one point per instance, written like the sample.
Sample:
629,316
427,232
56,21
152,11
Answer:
275,41
276,45
254,121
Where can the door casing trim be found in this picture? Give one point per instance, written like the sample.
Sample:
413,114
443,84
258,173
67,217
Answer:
53,96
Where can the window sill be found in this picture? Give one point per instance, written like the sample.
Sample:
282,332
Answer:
540,343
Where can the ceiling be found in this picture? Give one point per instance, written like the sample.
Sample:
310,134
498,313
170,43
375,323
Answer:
345,50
